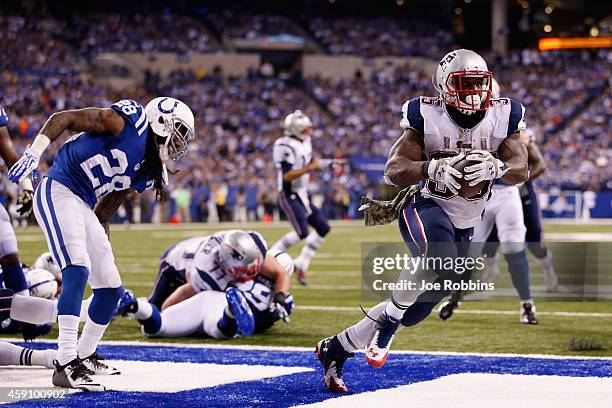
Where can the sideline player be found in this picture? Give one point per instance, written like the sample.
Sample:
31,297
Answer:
436,222
120,148
292,154
221,314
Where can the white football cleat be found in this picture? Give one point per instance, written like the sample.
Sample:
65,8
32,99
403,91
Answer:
378,349
75,375
96,367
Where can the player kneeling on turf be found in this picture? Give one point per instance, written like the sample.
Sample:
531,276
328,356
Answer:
233,287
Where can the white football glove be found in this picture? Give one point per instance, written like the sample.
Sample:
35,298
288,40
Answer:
487,168
443,170
23,167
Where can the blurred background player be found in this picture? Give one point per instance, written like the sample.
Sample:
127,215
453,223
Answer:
12,273
214,313
503,209
437,222
292,154
137,141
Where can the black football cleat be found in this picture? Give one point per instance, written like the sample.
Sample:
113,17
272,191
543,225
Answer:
332,356
446,309
528,315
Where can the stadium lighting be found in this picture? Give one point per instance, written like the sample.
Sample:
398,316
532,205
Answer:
554,43
547,28
399,2
594,32
549,9
458,11
467,1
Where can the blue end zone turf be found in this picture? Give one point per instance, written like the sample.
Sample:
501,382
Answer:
306,387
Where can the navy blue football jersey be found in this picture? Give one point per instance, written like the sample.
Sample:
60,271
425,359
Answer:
92,165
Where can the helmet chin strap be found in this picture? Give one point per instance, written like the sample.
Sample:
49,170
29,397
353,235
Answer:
163,155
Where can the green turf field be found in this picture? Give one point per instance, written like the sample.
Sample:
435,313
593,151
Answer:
334,282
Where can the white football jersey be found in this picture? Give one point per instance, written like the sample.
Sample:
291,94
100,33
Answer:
293,153
444,138
198,258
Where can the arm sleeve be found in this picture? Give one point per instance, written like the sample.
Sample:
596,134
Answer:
411,116
516,121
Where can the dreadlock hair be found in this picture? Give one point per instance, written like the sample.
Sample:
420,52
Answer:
152,166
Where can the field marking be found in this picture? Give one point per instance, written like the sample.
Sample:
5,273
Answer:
152,343
460,311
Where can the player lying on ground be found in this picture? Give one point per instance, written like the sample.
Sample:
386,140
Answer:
11,354
121,148
41,283
439,220
292,154
218,286
504,213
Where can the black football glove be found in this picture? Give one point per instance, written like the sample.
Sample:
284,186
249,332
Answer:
25,203
282,306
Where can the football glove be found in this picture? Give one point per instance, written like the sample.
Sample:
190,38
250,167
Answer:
379,212
282,304
487,168
23,167
26,198
443,170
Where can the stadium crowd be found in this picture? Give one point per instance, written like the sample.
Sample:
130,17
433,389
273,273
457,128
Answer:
229,174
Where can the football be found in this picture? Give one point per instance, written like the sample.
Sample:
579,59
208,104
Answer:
467,191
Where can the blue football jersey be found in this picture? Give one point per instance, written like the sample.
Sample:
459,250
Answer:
3,118
92,165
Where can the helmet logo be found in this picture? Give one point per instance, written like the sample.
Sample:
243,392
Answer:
446,60
162,110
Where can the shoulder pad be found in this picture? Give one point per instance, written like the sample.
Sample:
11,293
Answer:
133,114
412,118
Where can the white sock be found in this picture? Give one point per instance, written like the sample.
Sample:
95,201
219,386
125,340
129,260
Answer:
313,242
25,292
91,335
394,311
287,241
44,358
67,340
10,354
145,310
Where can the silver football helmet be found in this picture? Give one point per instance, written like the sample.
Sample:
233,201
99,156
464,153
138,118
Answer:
297,124
464,81
45,261
495,91
241,254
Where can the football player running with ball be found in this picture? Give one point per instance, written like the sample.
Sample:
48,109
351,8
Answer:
119,149
437,222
